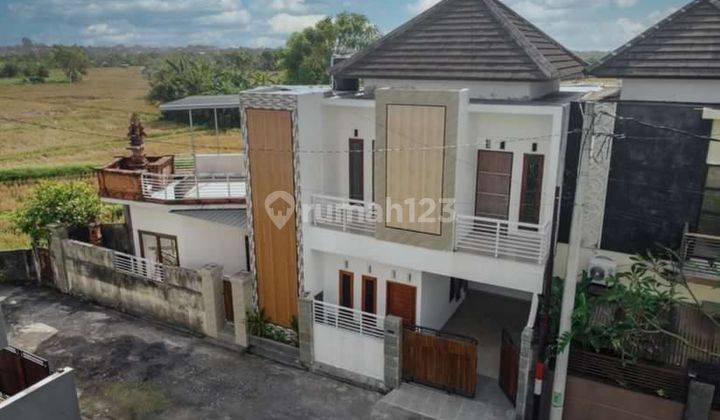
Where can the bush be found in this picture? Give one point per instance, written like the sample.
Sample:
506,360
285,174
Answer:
73,61
9,70
73,204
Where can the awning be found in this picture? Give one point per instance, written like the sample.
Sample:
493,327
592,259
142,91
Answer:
229,217
202,102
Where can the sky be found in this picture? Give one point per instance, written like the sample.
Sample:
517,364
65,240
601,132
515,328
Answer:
578,24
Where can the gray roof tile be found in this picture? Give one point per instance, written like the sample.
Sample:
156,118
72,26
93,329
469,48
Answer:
685,45
465,40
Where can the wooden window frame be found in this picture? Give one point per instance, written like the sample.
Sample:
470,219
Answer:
509,189
524,186
362,167
352,288
705,189
365,281
158,236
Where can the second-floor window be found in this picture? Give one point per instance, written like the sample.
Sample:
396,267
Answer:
531,189
159,247
494,176
710,214
356,164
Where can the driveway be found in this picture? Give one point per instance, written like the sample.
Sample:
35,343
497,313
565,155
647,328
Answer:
130,368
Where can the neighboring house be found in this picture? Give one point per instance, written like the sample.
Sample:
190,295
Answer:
654,180
182,211
460,109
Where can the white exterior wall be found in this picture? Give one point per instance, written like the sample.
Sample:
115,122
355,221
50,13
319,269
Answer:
230,163
350,351
435,301
669,90
199,242
477,90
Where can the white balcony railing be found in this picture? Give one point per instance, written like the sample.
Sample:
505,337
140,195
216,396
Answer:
496,238
363,323
140,267
344,214
502,239
188,186
701,255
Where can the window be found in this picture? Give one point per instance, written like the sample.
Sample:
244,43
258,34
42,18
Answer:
369,297
492,192
356,164
160,248
531,195
710,214
346,289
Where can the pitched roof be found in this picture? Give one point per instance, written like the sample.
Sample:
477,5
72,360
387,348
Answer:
684,45
468,40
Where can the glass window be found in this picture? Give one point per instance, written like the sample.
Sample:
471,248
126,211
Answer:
709,223
159,248
531,189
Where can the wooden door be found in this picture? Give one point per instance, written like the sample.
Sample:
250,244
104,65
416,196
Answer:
346,289
494,177
444,361
509,367
270,151
228,301
401,301
531,195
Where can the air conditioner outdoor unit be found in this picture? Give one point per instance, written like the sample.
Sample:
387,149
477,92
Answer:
600,268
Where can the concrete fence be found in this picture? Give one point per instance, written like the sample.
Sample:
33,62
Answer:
17,265
191,299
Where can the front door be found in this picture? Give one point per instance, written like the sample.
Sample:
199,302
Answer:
270,151
401,301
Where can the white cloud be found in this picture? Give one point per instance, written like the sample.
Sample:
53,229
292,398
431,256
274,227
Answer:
230,17
419,6
626,3
289,5
284,23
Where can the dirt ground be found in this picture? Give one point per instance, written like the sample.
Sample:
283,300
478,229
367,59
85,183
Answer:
130,368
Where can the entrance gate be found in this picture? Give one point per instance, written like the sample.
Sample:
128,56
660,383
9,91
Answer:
509,364
444,361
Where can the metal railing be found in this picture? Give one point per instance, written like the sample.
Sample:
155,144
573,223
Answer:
502,239
344,214
348,319
701,255
140,267
188,186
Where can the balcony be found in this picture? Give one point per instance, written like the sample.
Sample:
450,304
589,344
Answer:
199,179
701,256
500,239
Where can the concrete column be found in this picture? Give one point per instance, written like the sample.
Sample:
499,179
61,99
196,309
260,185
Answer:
526,376
213,305
305,331
242,304
393,351
699,401
58,234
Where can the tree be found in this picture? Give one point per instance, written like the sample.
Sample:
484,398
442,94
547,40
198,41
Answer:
73,204
9,69
73,61
306,57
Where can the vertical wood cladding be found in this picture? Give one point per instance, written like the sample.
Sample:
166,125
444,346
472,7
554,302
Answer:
271,170
656,176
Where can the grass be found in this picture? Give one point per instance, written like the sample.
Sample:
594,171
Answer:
56,76
125,400
60,130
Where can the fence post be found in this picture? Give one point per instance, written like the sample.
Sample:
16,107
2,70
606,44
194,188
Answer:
242,304
699,401
212,294
305,332
393,351
497,239
526,377
58,234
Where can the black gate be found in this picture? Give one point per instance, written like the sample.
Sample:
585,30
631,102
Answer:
20,370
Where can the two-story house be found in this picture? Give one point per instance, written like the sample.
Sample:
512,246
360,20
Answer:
424,186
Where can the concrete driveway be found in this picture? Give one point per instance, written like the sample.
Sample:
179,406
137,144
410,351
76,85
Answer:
130,368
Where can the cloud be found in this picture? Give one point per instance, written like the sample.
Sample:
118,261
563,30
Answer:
625,3
230,17
419,6
284,23
288,5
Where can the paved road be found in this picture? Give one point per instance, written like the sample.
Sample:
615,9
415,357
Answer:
130,368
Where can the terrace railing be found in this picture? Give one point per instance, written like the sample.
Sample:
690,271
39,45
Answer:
701,255
140,267
502,239
189,186
344,214
359,322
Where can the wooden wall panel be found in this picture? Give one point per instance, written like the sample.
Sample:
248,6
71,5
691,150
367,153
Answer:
272,169
415,165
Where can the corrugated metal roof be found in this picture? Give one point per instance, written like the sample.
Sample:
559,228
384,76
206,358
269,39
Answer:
465,40
228,217
684,45
202,102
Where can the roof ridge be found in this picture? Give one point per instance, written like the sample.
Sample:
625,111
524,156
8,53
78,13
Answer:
389,37
528,47
651,30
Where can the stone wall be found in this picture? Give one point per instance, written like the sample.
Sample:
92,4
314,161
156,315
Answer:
91,274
